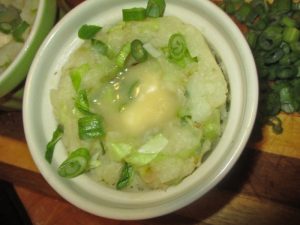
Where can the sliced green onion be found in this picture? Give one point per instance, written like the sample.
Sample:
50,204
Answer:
230,7
148,152
243,12
272,72
154,145
259,24
276,49
288,59
123,55
285,47
155,8
177,46
276,124
291,34
270,38
76,164
134,14
286,72
281,6
271,104
251,37
19,30
288,22
295,46
90,126
81,102
87,32
57,135
100,47
138,52
288,103
77,74
125,176
273,56
177,51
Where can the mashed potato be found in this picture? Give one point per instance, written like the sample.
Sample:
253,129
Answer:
159,117
14,14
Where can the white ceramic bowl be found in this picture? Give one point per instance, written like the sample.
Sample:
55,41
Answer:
11,79
90,196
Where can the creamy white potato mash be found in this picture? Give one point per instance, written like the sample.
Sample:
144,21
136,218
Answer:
159,117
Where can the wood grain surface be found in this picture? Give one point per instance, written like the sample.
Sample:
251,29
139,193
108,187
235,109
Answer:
262,188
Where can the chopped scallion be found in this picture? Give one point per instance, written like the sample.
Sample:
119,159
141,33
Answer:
243,12
177,46
88,31
138,52
134,14
90,127
100,47
123,55
125,176
76,164
57,135
77,74
270,38
291,34
155,8
81,102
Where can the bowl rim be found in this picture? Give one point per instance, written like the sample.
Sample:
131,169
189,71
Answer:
11,76
161,209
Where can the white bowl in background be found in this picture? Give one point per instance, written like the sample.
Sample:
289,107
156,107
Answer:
12,79
39,122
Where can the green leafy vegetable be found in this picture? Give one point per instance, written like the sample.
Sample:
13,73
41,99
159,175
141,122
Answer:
147,152
57,135
82,103
90,127
100,47
123,55
138,52
155,8
77,74
178,52
134,14
273,35
76,164
88,31
177,46
125,176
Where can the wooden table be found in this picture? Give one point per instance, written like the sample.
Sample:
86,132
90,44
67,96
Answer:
262,188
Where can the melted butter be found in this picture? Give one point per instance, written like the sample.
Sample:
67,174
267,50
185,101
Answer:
141,101
153,107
